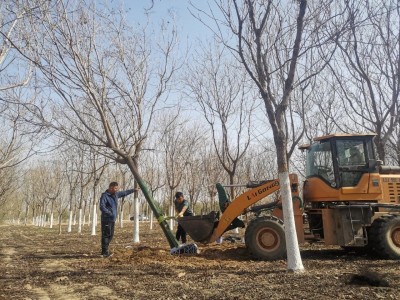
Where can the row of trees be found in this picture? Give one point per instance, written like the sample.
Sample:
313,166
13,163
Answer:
77,73
65,188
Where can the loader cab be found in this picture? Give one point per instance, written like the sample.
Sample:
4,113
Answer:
340,160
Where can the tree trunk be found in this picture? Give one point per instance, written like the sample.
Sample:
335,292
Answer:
74,222
292,245
70,221
151,220
59,224
51,219
26,215
171,208
136,238
80,220
94,219
153,205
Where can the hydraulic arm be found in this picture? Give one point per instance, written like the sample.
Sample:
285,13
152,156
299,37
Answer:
197,225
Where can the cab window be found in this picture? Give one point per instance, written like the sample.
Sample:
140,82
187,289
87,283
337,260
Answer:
352,161
319,162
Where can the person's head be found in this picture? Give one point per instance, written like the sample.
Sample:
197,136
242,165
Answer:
179,196
113,187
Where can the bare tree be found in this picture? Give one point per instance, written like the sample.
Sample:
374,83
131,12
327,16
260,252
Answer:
51,180
213,174
16,70
394,148
126,180
219,87
268,38
72,179
36,199
153,174
106,81
368,72
325,114
8,183
16,142
194,179
98,166
179,143
61,204
85,175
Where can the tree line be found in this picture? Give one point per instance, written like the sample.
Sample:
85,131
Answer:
101,95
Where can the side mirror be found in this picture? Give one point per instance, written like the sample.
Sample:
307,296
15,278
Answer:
374,164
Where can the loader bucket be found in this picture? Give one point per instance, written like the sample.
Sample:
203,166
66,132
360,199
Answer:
199,228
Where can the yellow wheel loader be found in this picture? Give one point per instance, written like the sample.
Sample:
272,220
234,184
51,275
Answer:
349,199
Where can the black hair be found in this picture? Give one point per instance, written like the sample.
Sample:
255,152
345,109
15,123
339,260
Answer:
178,194
114,183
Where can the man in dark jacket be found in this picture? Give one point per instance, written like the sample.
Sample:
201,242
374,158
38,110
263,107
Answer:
109,210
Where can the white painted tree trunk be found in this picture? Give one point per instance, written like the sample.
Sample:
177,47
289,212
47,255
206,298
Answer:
94,219
294,261
171,213
51,219
69,229
59,220
151,220
136,238
80,220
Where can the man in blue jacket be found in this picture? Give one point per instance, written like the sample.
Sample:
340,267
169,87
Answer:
109,210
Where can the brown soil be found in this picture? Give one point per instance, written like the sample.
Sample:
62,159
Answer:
38,263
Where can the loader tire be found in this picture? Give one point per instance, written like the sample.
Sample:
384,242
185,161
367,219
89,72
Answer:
385,236
265,238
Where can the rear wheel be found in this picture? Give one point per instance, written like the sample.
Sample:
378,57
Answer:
265,238
385,236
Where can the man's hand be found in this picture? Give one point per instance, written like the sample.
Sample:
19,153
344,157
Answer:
180,215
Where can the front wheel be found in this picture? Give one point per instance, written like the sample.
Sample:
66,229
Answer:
265,238
385,236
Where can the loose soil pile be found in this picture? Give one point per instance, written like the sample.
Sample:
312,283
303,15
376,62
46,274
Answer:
38,263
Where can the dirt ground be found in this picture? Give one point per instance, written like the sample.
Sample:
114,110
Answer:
38,263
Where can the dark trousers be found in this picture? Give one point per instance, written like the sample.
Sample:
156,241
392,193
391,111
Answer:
181,233
107,233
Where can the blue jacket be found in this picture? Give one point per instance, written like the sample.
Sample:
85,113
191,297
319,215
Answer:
109,204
